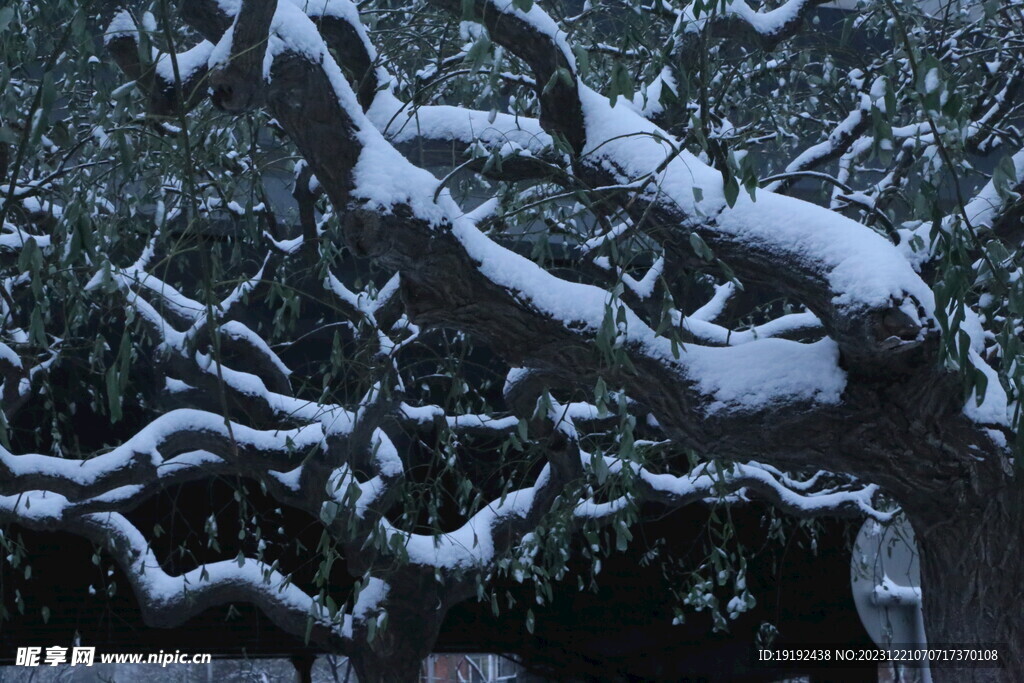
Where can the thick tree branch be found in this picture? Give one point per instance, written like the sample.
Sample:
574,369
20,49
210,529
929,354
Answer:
535,38
447,280
167,92
237,82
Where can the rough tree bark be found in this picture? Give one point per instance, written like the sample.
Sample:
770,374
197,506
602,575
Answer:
416,608
971,576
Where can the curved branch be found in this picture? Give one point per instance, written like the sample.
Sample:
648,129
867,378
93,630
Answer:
165,91
783,399
167,601
714,480
738,22
137,460
536,39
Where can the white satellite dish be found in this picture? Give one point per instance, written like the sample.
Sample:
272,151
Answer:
885,576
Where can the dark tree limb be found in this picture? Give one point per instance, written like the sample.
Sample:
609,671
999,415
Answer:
238,85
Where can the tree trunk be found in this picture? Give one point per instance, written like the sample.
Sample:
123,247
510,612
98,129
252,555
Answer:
415,608
402,667
303,664
972,580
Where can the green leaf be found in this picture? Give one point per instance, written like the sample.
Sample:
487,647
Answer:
883,138
700,247
582,60
621,83
328,512
731,188
600,396
600,468
478,54
561,75
31,257
1004,178
40,117
621,540
626,444
36,329
117,377
309,629
522,430
931,83
963,347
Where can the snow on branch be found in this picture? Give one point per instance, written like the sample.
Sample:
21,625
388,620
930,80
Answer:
739,21
838,142
986,207
538,40
170,81
19,377
716,480
861,288
237,62
990,210
167,601
866,295
139,459
474,545
857,287
393,216
725,390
